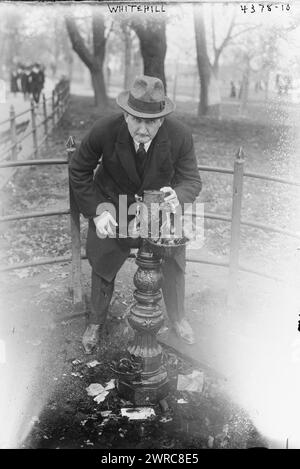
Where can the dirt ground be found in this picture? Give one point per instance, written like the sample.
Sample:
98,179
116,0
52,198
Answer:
46,372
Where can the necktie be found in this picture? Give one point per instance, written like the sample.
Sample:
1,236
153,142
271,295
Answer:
141,157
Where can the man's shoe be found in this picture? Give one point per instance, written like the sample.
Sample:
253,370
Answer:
184,331
90,338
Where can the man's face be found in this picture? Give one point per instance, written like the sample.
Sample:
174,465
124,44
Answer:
142,130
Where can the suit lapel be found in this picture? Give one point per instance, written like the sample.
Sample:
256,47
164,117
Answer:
125,154
159,156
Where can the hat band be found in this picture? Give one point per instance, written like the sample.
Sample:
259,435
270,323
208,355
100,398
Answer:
142,106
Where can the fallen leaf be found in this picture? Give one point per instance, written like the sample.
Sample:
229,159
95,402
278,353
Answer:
76,362
92,364
182,401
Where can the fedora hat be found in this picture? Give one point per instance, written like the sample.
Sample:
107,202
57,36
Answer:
146,99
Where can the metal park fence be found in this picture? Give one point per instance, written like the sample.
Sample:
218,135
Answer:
23,134
235,219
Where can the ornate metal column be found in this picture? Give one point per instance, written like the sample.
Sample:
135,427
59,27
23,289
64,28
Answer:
150,384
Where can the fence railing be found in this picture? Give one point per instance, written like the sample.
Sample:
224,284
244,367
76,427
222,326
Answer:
38,124
236,220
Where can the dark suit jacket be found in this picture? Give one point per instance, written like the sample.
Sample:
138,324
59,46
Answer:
171,162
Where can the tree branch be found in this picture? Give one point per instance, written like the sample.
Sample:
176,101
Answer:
78,42
99,39
228,35
244,31
110,30
213,30
218,50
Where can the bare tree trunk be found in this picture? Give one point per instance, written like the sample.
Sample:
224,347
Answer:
98,83
127,54
209,102
99,42
153,45
93,60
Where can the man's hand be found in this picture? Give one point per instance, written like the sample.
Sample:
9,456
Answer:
170,200
103,224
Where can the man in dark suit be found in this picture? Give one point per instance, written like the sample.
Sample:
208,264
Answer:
37,82
140,149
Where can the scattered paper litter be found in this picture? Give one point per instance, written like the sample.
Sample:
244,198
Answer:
192,382
94,389
77,374
137,413
93,363
182,401
110,385
76,362
101,397
105,413
100,392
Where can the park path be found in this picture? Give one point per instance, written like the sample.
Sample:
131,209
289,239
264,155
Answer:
19,103
25,145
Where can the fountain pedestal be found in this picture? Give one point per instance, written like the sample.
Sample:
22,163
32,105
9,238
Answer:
151,385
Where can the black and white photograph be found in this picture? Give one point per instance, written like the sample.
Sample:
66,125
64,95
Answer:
149,227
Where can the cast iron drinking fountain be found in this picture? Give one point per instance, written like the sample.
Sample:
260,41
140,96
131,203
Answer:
142,376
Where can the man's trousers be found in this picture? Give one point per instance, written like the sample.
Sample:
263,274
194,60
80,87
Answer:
173,289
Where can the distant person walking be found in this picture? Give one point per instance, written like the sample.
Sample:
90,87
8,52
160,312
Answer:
14,82
26,82
37,82
232,90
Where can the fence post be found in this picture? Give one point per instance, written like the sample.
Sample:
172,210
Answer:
45,119
13,133
235,225
75,236
53,109
34,134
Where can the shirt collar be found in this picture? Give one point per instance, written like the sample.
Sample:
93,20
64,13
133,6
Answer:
146,145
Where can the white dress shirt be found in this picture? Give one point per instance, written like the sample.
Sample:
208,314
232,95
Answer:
146,145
